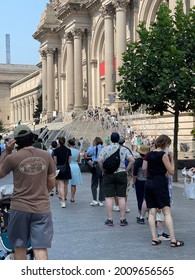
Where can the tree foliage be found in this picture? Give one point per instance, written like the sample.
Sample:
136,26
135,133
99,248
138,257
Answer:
1,125
158,70
38,109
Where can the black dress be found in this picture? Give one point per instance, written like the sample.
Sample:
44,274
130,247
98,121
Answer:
156,191
62,153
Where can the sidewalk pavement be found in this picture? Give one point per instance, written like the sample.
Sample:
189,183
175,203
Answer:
80,233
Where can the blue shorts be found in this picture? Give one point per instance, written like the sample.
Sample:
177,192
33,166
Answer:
25,226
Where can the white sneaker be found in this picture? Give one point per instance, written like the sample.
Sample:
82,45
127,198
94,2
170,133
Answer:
128,210
63,204
94,203
116,208
101,204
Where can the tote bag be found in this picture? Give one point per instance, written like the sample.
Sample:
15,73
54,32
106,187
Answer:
189,187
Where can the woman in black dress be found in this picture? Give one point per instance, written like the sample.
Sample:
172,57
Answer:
158,163
62,155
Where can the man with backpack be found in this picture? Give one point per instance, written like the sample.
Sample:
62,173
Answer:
112,163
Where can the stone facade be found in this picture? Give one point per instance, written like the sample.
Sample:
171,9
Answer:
9,74
81,46
24,94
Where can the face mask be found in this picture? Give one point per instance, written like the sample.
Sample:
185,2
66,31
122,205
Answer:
166,150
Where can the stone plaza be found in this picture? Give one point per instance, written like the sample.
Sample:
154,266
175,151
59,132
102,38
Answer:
80,233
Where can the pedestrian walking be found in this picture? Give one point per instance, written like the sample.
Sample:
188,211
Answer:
75,169
62,157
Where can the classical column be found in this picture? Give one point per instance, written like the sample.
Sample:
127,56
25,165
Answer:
15,112
31,108
78,71
63,91
19,111
23,110
94,65
134,9
69,72
44,82
59,84
50,83
12,113
107,13
56,84
120,6
88,59
27,109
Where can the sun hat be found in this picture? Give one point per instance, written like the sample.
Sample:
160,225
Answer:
21,131
144,149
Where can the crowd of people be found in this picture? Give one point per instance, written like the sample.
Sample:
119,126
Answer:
39,172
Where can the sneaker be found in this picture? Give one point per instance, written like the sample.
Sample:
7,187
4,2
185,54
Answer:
163,236
63,204
51,193
123,222
116,208
109,222
128,210
101,204
94,203
140,220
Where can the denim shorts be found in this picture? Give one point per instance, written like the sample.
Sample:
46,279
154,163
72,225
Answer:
24,227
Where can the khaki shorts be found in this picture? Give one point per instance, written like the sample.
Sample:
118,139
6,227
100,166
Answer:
24,226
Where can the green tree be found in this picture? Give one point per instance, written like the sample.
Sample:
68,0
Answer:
158,71
1,125
38,109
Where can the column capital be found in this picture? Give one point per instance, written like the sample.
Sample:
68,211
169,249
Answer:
68,36
49,51
120,4
107,10
43,53
77,33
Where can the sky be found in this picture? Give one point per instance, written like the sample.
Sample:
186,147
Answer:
19,19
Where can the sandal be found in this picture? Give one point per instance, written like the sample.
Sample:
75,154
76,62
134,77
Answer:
72,200
177,243
156,242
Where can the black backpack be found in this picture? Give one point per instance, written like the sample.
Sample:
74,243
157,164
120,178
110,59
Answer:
111,164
